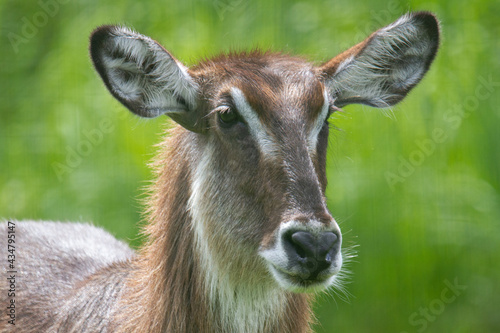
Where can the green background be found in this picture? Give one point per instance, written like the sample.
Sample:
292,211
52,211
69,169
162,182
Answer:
416,187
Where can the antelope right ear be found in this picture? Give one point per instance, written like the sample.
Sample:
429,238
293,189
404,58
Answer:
144,76
382,69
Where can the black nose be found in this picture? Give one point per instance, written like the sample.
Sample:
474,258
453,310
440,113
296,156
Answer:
314,253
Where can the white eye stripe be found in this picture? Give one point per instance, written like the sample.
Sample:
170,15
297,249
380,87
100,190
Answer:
258,131
312,138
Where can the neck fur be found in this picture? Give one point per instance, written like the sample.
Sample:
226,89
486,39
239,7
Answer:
180,284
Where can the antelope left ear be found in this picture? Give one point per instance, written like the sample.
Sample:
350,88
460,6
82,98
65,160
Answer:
382,69
144,76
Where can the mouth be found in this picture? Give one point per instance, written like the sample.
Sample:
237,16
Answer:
302,284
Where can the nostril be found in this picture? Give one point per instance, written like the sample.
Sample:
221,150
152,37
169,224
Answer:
326,242
304,244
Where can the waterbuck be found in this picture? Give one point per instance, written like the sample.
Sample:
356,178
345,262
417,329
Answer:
239,235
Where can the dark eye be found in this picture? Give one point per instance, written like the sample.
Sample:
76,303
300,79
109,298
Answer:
228,117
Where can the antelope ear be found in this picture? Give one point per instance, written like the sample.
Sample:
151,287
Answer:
144,76
382,69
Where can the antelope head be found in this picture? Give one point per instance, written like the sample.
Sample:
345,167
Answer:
255,136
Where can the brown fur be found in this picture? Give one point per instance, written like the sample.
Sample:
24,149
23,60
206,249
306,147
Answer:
174,288
226,202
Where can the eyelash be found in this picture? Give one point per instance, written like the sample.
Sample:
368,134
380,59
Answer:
230,114
332,109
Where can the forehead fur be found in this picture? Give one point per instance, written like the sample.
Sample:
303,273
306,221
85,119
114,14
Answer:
270,81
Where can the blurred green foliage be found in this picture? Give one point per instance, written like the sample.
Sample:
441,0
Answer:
417,187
